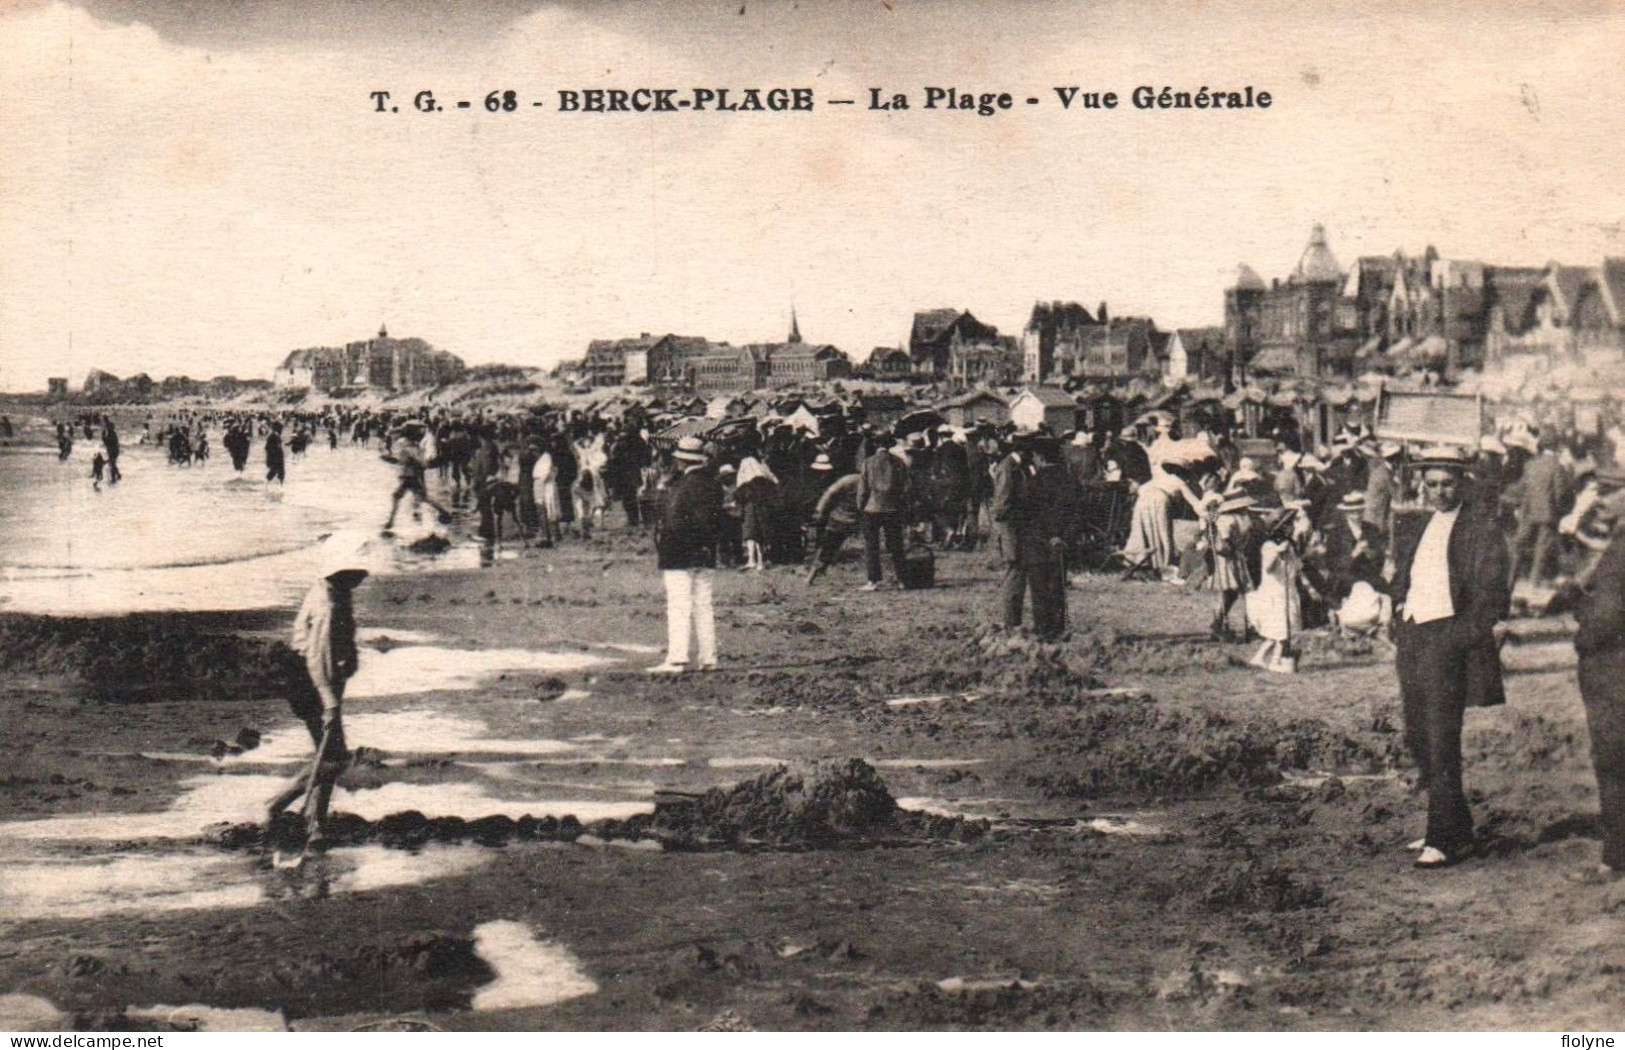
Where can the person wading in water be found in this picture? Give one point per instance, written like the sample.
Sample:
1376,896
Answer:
324,634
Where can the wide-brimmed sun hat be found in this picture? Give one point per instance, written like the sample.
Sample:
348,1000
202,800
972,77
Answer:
345,552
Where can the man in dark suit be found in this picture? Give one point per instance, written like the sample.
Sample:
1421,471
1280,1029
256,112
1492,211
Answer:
1010,505
690,520
1352,551
1601,645
1052,516
883,500
1450,586
1547,491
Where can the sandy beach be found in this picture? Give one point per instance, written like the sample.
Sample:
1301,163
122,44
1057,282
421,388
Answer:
512,851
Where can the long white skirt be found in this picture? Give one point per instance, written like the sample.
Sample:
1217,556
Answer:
1151,529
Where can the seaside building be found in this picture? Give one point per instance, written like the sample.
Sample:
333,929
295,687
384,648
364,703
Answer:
1049,325
1196,354
1404,312
382,363
1044,406
889,362
930,341
973,407
974,362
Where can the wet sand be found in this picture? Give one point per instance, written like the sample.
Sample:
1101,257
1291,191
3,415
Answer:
1163,840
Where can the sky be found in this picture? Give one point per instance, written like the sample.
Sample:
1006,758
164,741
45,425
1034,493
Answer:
198,188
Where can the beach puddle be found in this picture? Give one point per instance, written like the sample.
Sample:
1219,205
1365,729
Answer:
428,669
411,732
612,760
530,972
960,985
195,1017
925,763
918,701
937,807
743,762
43,886
640,845
240,798
1125,826
371,635
1315,778
629,647
30,1013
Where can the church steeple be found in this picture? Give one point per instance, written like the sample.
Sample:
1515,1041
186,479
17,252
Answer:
795,329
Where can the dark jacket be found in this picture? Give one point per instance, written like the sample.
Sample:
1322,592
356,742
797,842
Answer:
883,484
1009,506
1602,610
1340,569
1547,491
1082,460
1379,494
690,522
1054,505
1480,591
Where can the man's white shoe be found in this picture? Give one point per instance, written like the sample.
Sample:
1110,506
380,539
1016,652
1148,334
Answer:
1418,844
1432,858
871,586
667,668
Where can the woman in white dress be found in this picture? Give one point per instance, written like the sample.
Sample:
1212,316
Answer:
1275,607
544,475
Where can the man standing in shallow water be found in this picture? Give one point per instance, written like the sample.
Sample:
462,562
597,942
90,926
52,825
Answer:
324,634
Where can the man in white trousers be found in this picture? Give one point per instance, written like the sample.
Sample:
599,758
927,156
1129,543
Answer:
689,524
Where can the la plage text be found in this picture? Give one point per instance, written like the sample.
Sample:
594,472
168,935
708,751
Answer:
1145,97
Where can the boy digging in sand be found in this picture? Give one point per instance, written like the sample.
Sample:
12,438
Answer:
324,634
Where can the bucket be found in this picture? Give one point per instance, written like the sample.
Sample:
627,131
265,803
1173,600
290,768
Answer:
919,568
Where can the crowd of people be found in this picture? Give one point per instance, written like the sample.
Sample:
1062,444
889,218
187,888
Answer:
1367,538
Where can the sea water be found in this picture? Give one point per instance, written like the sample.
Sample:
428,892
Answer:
185,538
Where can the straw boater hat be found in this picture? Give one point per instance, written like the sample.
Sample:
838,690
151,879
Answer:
1445,457
822,463
1311,462
1351,501
690,450
1490,443
1390,449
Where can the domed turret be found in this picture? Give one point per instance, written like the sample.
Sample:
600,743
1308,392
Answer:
1247,279
1318,263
